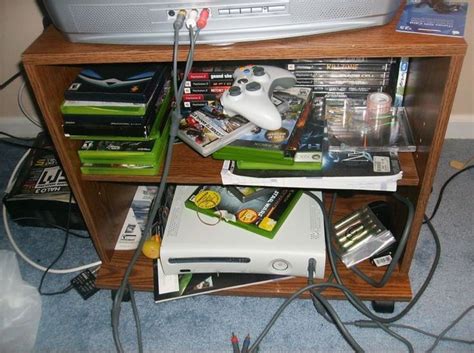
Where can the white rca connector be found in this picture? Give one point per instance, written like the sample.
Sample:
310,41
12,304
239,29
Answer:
191,19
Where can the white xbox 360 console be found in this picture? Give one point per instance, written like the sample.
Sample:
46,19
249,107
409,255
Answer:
230,21
191,246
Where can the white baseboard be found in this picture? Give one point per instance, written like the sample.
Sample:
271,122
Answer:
460,130
18,126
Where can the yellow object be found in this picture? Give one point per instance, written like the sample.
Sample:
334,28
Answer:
207,199
151,247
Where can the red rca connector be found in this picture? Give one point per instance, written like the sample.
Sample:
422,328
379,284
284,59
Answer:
203,17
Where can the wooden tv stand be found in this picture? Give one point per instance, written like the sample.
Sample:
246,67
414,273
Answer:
52,62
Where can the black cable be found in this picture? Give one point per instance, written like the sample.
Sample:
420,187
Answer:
332,262
16,144
446,183
66,238
16,137
398,253
51,225
10,80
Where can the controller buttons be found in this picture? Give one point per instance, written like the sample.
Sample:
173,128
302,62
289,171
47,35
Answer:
242,81
235,91
258,71
253,86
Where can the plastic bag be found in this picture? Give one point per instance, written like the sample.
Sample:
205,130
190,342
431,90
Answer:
20,307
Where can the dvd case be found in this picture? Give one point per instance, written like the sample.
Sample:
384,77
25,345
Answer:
263,215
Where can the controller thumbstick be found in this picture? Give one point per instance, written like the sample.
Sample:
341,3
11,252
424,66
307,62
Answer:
235,91
253,86
258,71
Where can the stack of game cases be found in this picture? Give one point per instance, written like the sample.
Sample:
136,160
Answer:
205,84
354,76
121,111
297,146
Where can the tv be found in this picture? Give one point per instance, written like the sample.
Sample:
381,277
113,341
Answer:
230,21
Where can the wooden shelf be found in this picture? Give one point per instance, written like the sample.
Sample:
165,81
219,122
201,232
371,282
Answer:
398,288
52,62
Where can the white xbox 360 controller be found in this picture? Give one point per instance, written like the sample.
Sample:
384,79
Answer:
250,94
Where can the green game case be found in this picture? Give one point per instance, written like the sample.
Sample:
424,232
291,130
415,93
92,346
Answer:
162,116
123,152
103,108
263,145
274,166
105,167
263,215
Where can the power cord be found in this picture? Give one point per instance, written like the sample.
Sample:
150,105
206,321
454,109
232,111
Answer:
374,321
10,80
446,183
51,225
66,238
23,109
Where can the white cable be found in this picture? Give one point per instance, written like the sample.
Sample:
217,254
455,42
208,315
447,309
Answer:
16,247
22,107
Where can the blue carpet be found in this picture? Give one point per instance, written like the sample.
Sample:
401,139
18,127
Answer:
204,324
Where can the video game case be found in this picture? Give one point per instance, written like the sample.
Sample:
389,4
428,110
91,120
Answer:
193,105
99,108
275,173
69,107
311,142
401,82
248,193
336,66
132,83
208,83
262,145
40,190
150,129
193,284
263,215
346,75
344,89
208,129
300,166
218,75
193,97
104,167
333,82
117,120
206,90
387,60
113,152
142,130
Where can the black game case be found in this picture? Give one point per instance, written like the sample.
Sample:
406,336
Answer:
40,193
133,83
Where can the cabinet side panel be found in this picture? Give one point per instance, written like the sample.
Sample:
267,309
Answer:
431,87
103,205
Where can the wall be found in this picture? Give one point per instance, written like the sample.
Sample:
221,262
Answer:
21,23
